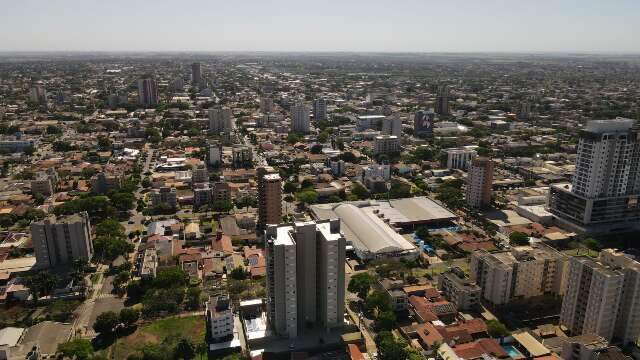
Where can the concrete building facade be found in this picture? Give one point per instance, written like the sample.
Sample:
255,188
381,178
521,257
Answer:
479,183
305,276
60,241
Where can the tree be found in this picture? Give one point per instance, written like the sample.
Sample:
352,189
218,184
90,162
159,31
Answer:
390,348
359,191
170,277
592,244
108,248
316,149
348,156
222,206
238,273
110,227
361,284
185,349
385,320
41,284
106,323
193,298
121,279
496,328
290,187
123,201
78,348
128,316
518,238
377,300
307,196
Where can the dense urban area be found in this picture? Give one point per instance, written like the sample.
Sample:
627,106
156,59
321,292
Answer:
319,206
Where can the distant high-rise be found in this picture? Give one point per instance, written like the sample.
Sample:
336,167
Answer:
525,110
386,144
442,100
602,297
266,104
392,125
196,74
319,109
479,182
269,196
60,241
300,118
147,92
305,276
423,124
220,120
604,192
38,94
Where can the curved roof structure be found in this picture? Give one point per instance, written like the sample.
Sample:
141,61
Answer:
372,233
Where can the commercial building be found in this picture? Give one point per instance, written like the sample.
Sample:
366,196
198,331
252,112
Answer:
479,183
300,118
165,196
442,100
319,109
392,125
602,297
522,272
147,92
305,276
371,227
269,196
386,144
423,123
196,74
220,120
60,241
603,195
15,145
459,289
460,158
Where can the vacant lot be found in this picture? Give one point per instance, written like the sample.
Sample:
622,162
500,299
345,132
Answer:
156,332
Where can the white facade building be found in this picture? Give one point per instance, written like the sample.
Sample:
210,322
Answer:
220,120
305,276
460,158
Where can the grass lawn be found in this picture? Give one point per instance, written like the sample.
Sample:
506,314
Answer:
581,252
192,327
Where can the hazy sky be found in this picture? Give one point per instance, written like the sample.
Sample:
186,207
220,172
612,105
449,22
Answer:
322,25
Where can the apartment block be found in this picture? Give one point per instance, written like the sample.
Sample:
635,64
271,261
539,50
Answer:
305,276
602,297
459,289
61,240
522,272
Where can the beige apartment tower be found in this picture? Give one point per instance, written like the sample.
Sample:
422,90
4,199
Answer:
522,272
269,196
479,183
305,276
603,297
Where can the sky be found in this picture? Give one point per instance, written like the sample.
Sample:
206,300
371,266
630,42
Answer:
565,26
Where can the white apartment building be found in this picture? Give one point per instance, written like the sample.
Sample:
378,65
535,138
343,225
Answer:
603,195
305,276
377,171
522,272
602,297
319,109
392,125
460,158
219,318
386,144
300,122
220,120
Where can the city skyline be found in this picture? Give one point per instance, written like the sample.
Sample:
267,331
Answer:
282,26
